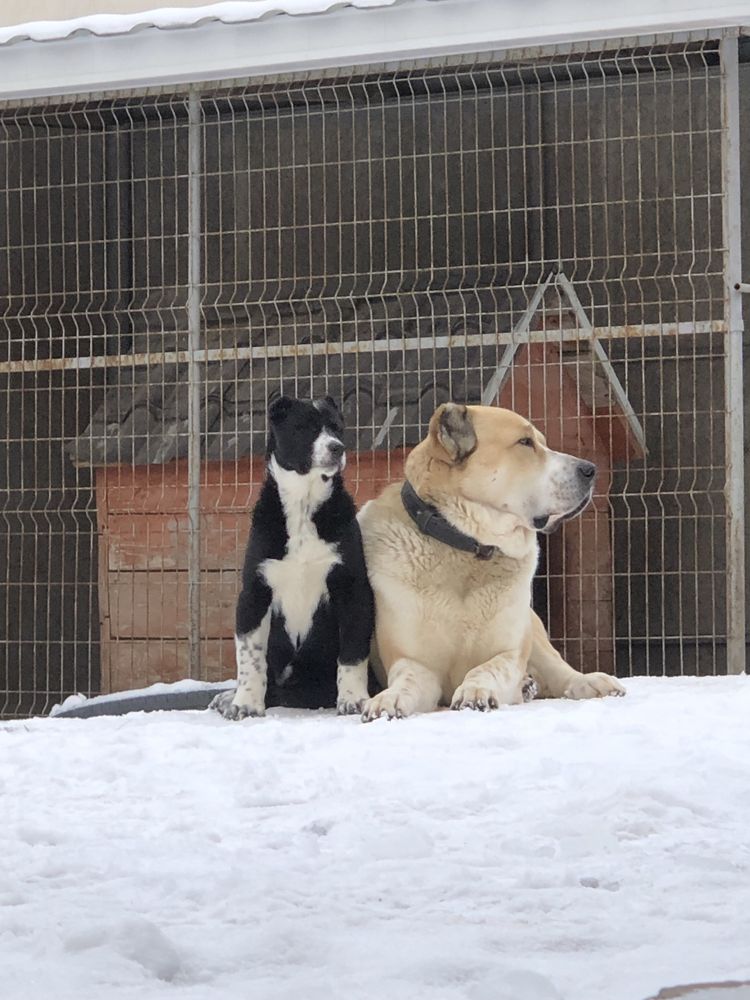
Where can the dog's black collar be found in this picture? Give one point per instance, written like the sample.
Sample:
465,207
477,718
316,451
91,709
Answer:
431,522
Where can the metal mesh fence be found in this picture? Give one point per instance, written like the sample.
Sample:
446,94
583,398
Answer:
542,233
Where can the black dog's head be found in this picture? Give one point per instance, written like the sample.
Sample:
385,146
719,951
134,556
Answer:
305,436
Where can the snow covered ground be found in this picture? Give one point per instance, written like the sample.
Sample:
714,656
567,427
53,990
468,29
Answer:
585,850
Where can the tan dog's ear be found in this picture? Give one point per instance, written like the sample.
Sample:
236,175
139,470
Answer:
452,429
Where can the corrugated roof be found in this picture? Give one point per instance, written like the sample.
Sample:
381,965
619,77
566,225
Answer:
231,12
143,418
221,41
636,15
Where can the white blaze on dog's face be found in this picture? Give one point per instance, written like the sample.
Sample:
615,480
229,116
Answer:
495,459
328,452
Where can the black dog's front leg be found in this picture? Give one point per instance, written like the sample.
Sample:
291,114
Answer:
354,605
251,642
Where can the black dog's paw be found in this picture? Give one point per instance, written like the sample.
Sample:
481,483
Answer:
224,704
348,706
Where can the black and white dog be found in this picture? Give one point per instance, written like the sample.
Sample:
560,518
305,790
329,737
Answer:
306,613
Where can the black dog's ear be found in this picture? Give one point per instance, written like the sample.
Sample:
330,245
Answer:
329,403
329,408
279,408
453,430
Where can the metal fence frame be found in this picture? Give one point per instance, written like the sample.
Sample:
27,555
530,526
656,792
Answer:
197,355
734,435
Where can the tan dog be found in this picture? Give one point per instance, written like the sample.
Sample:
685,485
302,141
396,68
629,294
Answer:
455,627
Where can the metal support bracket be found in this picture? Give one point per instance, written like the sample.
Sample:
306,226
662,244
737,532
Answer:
195,378
520,335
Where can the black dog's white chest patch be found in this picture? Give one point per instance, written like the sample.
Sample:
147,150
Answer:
298,582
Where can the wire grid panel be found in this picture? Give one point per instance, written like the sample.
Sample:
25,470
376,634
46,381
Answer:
544,234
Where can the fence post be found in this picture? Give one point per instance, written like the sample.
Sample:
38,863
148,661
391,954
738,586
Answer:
734,409
194,381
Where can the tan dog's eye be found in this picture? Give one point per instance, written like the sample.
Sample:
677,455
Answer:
526,442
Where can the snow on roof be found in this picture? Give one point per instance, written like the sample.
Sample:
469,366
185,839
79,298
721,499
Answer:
228,12
635,14
242,38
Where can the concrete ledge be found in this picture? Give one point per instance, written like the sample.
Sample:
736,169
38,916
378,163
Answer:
729,990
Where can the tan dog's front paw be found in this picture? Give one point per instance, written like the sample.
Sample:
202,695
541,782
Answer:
529,688
596,685
389,704
475,697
